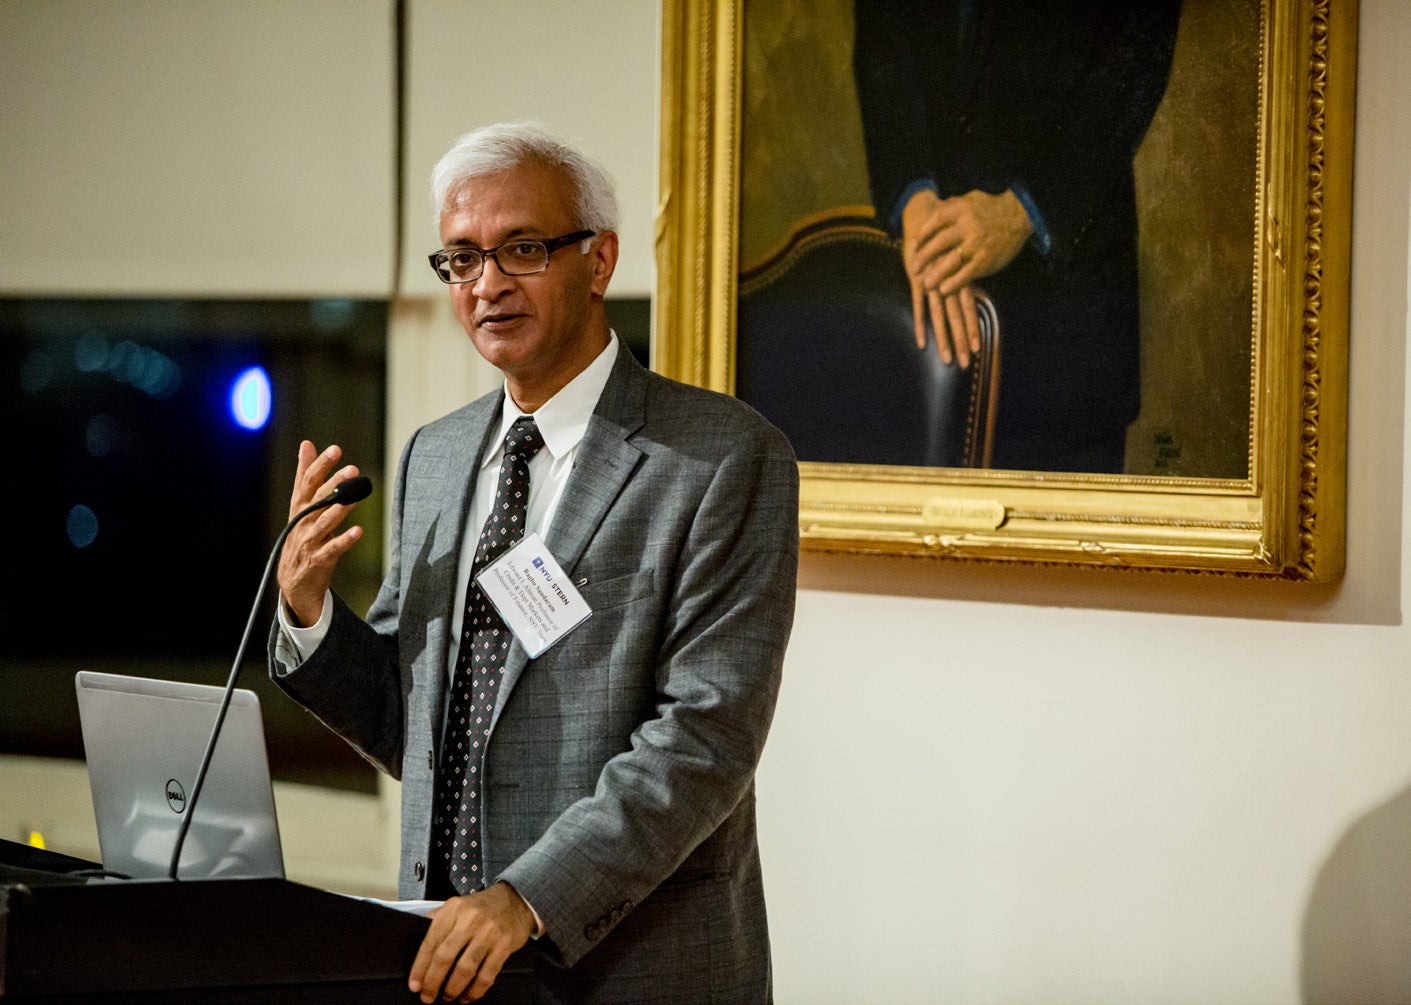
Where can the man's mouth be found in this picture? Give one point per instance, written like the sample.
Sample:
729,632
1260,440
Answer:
500,319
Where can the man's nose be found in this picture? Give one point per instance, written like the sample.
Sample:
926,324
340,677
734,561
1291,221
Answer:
492,281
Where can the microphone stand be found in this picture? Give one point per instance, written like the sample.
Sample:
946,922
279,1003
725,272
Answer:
347,491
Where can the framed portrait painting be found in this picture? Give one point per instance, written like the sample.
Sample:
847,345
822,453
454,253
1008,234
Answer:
1038,282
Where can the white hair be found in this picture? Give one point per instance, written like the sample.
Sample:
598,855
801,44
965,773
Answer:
496,148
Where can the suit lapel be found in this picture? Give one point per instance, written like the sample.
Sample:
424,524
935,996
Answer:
604,463
461,454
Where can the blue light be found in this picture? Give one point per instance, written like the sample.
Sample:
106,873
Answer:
82,526
250,398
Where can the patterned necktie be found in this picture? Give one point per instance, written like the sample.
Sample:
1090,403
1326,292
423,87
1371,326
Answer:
485,641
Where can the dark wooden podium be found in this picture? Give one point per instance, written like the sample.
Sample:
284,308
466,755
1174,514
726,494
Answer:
65,939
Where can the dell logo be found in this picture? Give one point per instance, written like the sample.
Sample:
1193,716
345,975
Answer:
176,795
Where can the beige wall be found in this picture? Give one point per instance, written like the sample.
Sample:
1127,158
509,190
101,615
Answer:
249,149
586,69
179,148
997,785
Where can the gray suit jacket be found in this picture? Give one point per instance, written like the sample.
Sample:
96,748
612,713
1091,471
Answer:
619,793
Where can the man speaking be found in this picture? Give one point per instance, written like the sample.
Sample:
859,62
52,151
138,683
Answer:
583,779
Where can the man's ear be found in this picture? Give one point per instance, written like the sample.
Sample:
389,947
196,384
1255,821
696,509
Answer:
604,252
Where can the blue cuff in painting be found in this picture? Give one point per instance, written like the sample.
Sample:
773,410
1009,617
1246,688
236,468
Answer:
1042,240
894,221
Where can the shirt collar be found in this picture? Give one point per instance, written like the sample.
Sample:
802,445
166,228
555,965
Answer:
563,419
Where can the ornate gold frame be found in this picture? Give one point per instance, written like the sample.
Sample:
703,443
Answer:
1285,520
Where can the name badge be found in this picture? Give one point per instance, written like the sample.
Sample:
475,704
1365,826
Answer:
534,595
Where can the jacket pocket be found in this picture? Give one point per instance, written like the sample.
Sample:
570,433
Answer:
618,590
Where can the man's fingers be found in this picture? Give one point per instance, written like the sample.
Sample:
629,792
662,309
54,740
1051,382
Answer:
317,470
468,942
924,230
967,268
918,219
416,980
460,970
322,523
950,271
314,475
435,958
958,338
931,254
931,243
343,475
321,490
442,950
315,561
309,541
336,547
469,974
918,310
328,483
972,317
307,453
938,325
485,976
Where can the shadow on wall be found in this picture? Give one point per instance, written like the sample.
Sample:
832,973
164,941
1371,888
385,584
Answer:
1357,929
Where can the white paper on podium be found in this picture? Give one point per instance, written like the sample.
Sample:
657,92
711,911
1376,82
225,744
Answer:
421,908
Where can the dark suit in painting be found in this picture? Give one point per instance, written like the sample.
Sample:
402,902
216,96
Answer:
1049,98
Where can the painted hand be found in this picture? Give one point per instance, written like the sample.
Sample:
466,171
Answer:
946,245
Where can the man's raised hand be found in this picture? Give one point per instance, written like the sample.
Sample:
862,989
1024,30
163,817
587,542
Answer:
314,546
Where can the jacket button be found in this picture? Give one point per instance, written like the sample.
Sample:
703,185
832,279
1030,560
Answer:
430,760
593,932
420,871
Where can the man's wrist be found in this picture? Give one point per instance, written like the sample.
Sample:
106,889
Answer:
290,615
305,639
536,923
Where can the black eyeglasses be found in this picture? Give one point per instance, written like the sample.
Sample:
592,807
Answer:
520,257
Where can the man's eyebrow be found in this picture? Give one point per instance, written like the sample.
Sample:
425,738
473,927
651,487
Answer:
537,233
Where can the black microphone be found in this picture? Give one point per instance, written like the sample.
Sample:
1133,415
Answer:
350,490
346,492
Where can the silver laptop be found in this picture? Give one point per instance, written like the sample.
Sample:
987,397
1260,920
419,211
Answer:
144,740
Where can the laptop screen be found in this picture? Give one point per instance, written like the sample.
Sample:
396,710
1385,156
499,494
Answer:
144,740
